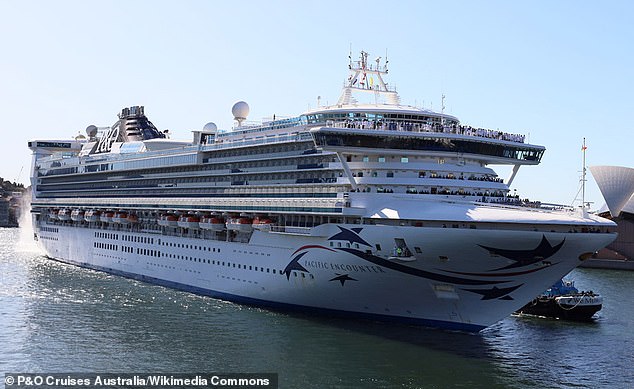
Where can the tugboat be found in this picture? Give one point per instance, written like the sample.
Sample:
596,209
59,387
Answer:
564,301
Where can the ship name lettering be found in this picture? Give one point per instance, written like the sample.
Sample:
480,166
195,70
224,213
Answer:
357,268
344,267
317,264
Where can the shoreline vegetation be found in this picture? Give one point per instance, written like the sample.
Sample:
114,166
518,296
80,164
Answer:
11,194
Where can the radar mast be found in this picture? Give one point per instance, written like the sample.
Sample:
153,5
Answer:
368,79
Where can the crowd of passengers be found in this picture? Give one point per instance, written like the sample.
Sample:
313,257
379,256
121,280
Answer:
443,191
510,200
482,197
470,178
449,176
452,128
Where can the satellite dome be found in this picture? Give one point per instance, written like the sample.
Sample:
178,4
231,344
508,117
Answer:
240,111
210,127
91,131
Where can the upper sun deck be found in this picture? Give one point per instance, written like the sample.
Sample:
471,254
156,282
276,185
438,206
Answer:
377,113
446,129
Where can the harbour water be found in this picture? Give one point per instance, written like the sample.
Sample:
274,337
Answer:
60,318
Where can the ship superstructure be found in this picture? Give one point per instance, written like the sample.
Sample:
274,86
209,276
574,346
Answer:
376,209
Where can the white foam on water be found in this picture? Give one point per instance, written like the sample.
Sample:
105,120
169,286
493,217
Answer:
26,242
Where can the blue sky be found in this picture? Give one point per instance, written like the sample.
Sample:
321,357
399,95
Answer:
555,71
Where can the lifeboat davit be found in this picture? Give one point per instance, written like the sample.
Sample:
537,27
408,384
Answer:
262,224
77,215
63,214
243,224
189,221
92,215
168,220
106,217
212,223
120,217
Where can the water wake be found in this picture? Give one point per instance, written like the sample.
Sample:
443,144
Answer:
26,238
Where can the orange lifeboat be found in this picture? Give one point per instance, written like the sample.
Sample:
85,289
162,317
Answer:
262,224
52,214
189,221
92,215
212,223
77,215
120,217
132,218
168,220
106,217
243,224
63,214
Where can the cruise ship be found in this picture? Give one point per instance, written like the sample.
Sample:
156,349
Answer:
370,209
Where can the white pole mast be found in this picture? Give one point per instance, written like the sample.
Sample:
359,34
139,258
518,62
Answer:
583,178
442,110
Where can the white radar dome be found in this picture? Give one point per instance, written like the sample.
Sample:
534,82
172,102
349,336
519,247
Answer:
210,127
240,111
91,131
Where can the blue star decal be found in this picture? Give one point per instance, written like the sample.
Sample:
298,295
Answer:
495,292
342,278
351,236
527,257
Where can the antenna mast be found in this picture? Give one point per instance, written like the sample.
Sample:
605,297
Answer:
19,174
582,189
367,78
583,177
442,110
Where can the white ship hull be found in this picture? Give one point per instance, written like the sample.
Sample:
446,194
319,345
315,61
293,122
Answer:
454,282
377,210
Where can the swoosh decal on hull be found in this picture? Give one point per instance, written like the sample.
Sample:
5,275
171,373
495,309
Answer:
312,246
417,272
295,265
518,273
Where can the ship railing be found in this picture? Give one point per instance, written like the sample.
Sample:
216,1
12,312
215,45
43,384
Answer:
106,158
557,207
291,230
526,203
224,144
269,123
510,202
369,67
370,88
65,155
409,126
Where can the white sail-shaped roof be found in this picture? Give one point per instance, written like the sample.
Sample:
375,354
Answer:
616,184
